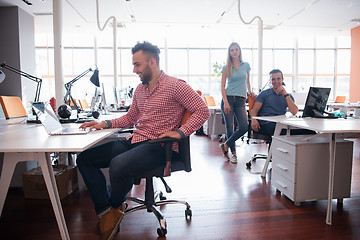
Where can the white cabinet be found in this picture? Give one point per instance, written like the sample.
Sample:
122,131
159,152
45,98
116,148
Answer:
300,168
214,125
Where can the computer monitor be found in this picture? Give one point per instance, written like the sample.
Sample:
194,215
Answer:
316,101
95,100
109,95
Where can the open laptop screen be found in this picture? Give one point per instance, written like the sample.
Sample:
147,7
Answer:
316,101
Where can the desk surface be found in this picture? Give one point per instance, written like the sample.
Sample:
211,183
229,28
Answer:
343,105
323,125
33,138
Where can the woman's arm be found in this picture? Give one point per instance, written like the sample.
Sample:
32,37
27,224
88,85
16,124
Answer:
251,93
223,93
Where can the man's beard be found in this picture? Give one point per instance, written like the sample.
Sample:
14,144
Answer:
146,76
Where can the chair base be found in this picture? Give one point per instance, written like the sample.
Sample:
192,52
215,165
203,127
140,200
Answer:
255,157
162,230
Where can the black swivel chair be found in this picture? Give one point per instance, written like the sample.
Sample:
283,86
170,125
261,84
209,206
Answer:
179,162
255,135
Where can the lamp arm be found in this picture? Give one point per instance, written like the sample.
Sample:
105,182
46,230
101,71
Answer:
28,76
37,94
24,74
70,83
67,94
68,86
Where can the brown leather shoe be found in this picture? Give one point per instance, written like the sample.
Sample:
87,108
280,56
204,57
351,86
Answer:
96,230
109,222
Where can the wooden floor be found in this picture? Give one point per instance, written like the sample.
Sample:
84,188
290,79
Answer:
228,202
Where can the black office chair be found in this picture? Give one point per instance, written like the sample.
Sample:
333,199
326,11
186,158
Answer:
179,162
265,139
255,135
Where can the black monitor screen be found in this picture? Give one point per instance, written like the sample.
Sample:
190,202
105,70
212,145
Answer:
316,101
39,105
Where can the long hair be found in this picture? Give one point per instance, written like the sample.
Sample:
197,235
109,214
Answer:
229,60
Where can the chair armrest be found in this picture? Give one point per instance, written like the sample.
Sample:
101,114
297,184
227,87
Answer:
168,142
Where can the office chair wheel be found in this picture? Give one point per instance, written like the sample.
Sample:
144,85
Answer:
161,232
248,164
162,197
188,213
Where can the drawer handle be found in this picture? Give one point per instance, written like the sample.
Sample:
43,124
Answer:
282,167
283,150
281,184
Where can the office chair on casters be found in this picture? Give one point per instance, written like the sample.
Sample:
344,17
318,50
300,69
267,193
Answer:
179,162
255,135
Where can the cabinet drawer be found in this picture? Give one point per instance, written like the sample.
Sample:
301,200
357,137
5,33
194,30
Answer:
282,184
284,168
284,150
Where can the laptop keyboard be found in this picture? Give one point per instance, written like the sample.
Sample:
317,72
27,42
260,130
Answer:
67,130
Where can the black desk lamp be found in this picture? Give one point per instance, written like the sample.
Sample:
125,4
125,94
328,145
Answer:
94,79
24,74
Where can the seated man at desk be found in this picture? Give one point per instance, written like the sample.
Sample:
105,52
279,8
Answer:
158,105
272,102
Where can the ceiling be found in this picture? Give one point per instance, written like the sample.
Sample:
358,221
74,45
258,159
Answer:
324,17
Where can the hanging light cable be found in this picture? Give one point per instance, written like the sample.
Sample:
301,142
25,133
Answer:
260,43
114,38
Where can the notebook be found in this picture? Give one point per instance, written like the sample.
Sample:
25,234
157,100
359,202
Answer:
51,123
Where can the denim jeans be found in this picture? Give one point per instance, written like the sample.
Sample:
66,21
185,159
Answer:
237,105
125,161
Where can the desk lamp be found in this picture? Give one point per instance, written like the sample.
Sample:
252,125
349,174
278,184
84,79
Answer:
94,79
24,74
2,76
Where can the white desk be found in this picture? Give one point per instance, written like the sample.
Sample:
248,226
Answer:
343,105
333,128
32,143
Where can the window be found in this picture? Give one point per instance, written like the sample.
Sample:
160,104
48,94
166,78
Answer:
306,61
178,62
199,62
343,61
325,63
321,61
283,60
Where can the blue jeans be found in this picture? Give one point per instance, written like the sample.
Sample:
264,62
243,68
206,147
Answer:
125,161
237,105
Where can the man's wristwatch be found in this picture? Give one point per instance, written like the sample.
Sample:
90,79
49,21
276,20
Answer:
286,95
108,124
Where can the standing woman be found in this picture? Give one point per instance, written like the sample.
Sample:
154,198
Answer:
236,73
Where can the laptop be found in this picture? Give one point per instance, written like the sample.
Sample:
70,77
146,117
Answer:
51,123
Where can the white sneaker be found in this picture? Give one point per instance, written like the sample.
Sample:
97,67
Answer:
233,159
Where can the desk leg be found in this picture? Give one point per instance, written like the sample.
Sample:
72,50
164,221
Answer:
47,170
266,165
277,132
7,171
10,161
332,152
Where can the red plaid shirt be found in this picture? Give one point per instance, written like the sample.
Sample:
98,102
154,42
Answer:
162,109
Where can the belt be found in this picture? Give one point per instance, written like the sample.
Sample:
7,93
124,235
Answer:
236,97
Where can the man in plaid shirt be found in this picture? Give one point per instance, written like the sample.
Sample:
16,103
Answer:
159,103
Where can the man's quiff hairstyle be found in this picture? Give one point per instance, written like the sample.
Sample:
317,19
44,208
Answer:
149,49
276,71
